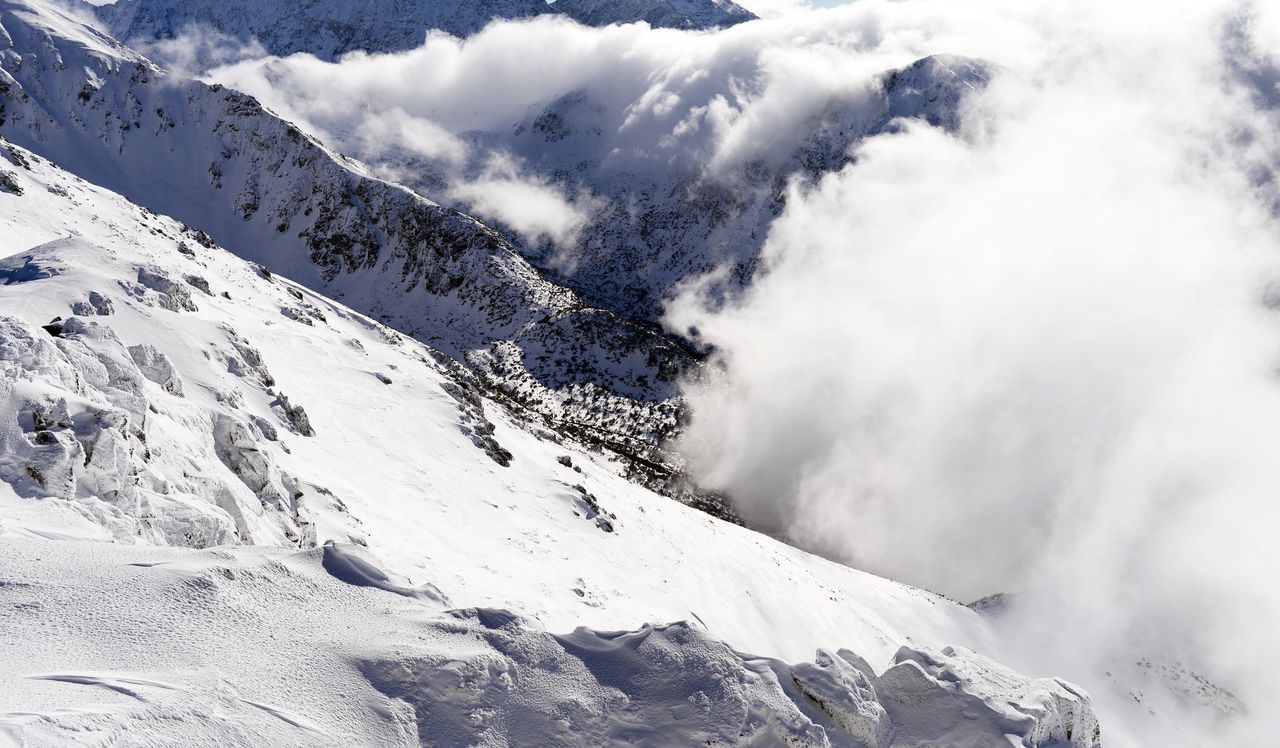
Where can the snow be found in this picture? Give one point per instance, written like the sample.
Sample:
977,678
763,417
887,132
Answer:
322,614
260,646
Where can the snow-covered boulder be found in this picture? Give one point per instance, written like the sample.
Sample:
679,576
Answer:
958,697
841,685
156,367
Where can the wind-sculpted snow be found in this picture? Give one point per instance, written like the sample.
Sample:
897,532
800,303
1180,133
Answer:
316,654
258,185
82,415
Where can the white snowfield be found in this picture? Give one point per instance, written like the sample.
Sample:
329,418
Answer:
234,512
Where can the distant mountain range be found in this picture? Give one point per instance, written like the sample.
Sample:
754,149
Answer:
330,28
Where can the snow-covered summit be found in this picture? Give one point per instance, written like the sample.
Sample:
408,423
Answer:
325,28
669,14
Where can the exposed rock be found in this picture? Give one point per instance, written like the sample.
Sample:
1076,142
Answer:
239,447
167,293
668,14
324,29
198,282
98,304
293,416
245,361
9,182
589,506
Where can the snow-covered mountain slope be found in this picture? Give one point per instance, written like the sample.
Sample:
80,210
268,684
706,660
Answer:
160,391
218,160
324,28
667,14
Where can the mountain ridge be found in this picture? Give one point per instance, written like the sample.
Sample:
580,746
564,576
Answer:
329,29
286,201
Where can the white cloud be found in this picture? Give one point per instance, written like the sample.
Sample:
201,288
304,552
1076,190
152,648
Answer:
532,207
198,48
1034,356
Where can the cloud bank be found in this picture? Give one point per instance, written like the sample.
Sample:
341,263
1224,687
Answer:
1040,356
672,102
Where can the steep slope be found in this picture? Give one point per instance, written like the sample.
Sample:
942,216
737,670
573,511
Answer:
667,14
218,160
324,28
159,390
